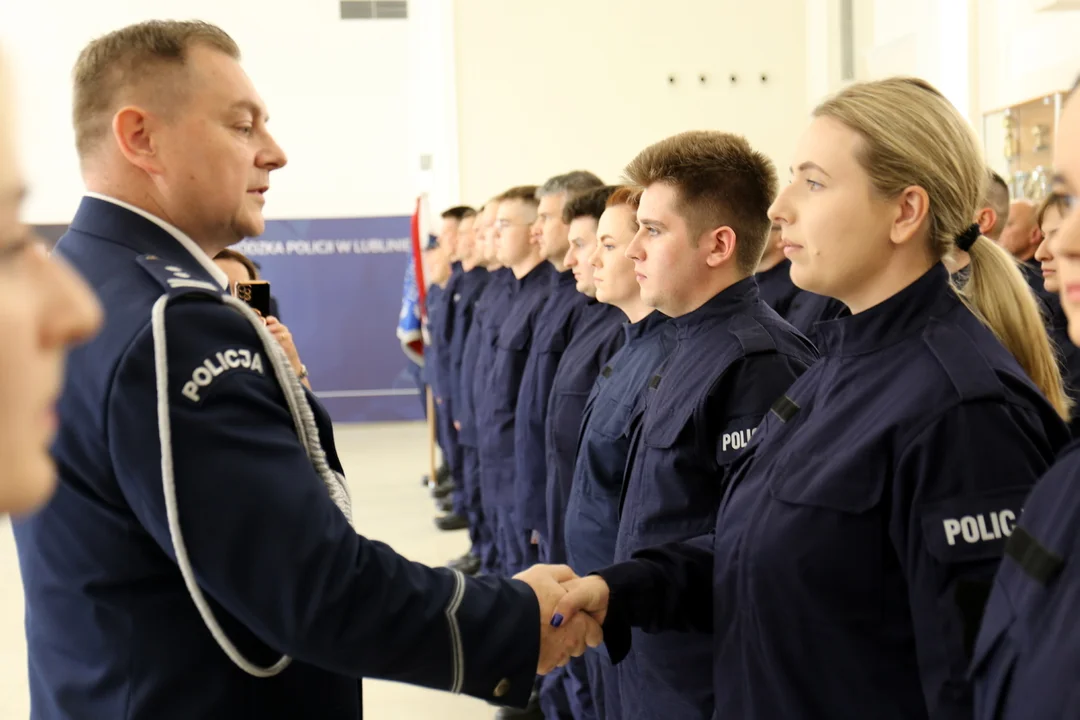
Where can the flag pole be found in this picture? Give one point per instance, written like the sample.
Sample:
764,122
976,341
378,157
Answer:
421,286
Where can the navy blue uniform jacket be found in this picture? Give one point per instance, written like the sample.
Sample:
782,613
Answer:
112,631
592,515
855,545
555,327
598,337
497,391
490,306
776,287
1028,654
734,356
469,290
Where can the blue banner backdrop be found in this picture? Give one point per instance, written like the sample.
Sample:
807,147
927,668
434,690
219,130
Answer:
338,287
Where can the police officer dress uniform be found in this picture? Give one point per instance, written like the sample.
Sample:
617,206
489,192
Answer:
197,560
734,356
857,539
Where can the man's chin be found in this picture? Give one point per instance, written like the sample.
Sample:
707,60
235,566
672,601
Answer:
251,227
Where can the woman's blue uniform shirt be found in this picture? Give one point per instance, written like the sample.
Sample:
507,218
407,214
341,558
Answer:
858,537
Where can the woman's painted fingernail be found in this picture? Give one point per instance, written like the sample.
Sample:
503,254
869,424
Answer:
557,620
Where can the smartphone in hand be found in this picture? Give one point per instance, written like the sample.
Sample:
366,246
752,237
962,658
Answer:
256,293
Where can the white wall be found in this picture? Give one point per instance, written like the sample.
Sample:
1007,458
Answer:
931,39
1023,53
338,93
546,87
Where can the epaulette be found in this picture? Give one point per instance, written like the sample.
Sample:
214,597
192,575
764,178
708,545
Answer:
967,368
753,337
175,279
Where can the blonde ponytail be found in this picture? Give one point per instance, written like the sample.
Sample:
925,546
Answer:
999,296
913,136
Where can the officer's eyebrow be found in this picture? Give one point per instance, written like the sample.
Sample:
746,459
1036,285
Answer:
251,107
810,166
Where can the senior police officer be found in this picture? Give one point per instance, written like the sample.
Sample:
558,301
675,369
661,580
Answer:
198,559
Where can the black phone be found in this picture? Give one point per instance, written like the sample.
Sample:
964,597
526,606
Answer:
256,293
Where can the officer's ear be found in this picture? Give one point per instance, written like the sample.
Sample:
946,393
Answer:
719,245
134,130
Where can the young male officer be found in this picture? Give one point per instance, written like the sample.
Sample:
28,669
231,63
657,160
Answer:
497,395
441,315
198,558
492,308
703,227
553,331
474,279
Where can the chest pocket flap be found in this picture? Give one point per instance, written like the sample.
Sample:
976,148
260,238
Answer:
612,418
553,343
670,410
667,415
515,338
844,479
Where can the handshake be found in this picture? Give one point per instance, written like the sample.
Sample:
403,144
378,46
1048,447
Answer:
572,612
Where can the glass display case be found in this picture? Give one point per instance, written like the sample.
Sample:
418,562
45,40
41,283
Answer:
1019,141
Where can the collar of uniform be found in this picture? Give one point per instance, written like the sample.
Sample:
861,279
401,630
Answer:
186,242
476,275
538,275
645,325
727,302
905,313
562,279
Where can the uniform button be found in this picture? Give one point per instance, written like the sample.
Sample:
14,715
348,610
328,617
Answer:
502,688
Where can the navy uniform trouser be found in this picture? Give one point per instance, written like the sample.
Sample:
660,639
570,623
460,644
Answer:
481,530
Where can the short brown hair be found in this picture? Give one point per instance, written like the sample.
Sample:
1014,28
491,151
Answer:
719,180
590,203
130,57
625,195
526,193
229,254
1053,200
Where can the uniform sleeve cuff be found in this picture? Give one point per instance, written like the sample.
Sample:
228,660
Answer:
499,626
625,582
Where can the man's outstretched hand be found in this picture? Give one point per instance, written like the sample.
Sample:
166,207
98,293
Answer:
565,631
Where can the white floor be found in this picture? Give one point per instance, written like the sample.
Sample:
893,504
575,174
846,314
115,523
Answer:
384,464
